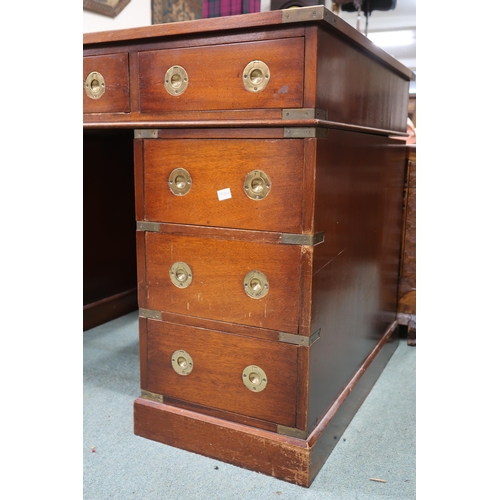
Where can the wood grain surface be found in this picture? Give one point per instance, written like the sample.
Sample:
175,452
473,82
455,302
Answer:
249,23
355,89
216,379
290,459
359,194
219,268
215,165
279,456
114,69
216,76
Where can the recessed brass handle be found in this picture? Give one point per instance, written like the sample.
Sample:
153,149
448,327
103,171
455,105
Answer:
182,362
257,184
179,181
254,378
95,85
256,285
256,76
176,80
181,275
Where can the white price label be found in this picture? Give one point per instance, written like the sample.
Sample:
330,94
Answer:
224,194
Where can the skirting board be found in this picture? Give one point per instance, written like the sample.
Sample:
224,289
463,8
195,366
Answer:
290,459
102,311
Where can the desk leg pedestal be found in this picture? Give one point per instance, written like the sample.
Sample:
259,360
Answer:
287,458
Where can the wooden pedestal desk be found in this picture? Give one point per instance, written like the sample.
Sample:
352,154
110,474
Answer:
268,201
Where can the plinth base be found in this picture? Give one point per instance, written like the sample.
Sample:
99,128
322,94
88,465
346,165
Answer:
290,459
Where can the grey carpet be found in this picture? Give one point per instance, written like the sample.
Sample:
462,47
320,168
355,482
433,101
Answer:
380,441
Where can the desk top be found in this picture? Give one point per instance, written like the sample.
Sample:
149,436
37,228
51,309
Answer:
303,67
319,15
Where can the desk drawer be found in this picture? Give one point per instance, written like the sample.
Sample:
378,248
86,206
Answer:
220,279
208,368
237,183
213,77
106,84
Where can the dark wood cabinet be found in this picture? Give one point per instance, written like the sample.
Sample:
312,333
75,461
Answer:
268,197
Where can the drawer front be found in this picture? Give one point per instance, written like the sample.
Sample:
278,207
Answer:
215,76
216,288
215,378
229,181
112,71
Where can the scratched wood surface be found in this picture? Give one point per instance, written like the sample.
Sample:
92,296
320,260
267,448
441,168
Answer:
216,166
217,290
114,69
215,76
355,89
218,363
359,195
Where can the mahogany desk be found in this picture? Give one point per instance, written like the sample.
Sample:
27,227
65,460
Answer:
268,210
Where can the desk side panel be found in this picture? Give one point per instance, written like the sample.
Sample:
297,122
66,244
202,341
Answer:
355,88
359,195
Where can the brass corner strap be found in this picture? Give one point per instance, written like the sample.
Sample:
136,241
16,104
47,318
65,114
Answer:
286,238
149,313
292,432
302,340
305,133
152,396
314,13
148,226
303,239
304,114
146,133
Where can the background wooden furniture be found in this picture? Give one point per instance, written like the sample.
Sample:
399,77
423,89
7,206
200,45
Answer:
267,381
412,108
407,292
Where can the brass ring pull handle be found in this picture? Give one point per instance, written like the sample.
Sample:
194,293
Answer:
254,378
257,184
179,182
256,285
176,80
181,275
182,362
95,85
256,76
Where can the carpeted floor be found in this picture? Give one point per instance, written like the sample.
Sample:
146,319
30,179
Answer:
379,442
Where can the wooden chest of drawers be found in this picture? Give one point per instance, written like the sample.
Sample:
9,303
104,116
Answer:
268,202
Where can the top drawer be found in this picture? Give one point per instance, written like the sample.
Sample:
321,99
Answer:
106,84
263,75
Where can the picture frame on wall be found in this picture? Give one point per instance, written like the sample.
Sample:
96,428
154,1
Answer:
110,8
170,11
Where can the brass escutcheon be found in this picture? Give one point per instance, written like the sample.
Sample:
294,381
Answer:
95,85
182,362
179,181
181,275
256,76
257,184
254,378
176,80
256,285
